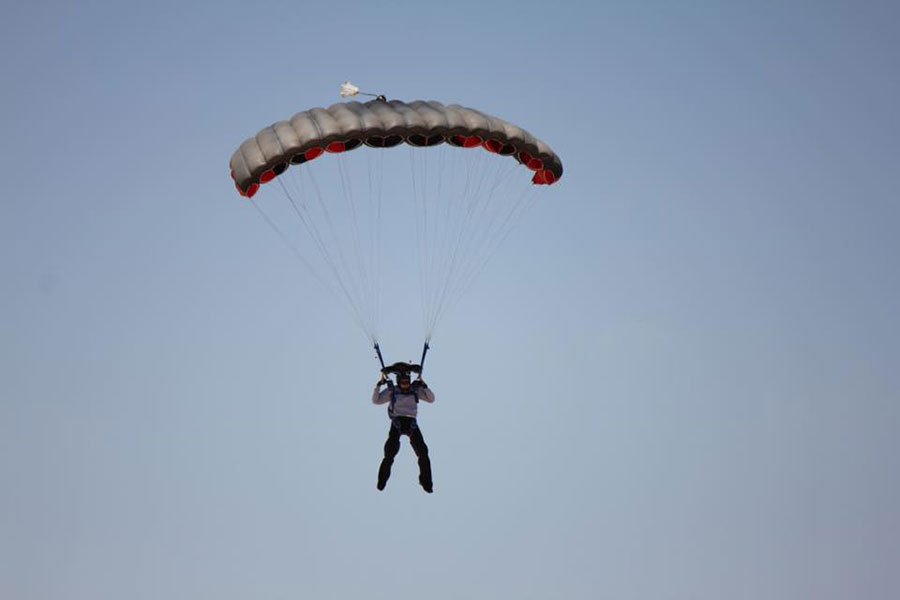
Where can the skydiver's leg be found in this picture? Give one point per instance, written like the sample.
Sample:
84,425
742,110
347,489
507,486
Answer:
421,449
391,448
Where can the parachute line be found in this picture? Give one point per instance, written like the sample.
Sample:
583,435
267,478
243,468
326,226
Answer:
464,203
299,256
347,298
460,226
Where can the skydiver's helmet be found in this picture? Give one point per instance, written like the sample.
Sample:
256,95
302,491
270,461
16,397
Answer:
403,379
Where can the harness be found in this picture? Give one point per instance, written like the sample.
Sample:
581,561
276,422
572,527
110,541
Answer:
414,389
401,368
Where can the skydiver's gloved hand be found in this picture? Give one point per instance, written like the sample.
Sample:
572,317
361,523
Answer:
381,381
421,383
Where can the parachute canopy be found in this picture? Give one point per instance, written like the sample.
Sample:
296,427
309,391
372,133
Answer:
384,124
464,204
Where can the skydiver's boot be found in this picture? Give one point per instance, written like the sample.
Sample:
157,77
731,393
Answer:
425,474
384,472
421,450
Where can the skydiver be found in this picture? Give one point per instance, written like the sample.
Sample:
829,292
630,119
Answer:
402,400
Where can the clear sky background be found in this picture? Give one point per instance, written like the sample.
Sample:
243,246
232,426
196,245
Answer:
677,380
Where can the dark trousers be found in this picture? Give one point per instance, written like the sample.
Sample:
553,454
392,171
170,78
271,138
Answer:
405,426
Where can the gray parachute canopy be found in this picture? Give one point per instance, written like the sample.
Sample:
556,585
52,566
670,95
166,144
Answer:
383,124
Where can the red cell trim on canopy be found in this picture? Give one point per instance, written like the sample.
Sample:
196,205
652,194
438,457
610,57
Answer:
472,141
533,163
492,145
544,177
267,176
335,147
312,153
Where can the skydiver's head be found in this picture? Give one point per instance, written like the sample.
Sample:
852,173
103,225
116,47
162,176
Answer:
403,381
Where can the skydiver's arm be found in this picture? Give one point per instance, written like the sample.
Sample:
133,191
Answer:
381,397
425,393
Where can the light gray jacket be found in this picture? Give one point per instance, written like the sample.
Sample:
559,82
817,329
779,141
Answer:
405,404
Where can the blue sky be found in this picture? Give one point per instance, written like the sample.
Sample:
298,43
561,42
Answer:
677,378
